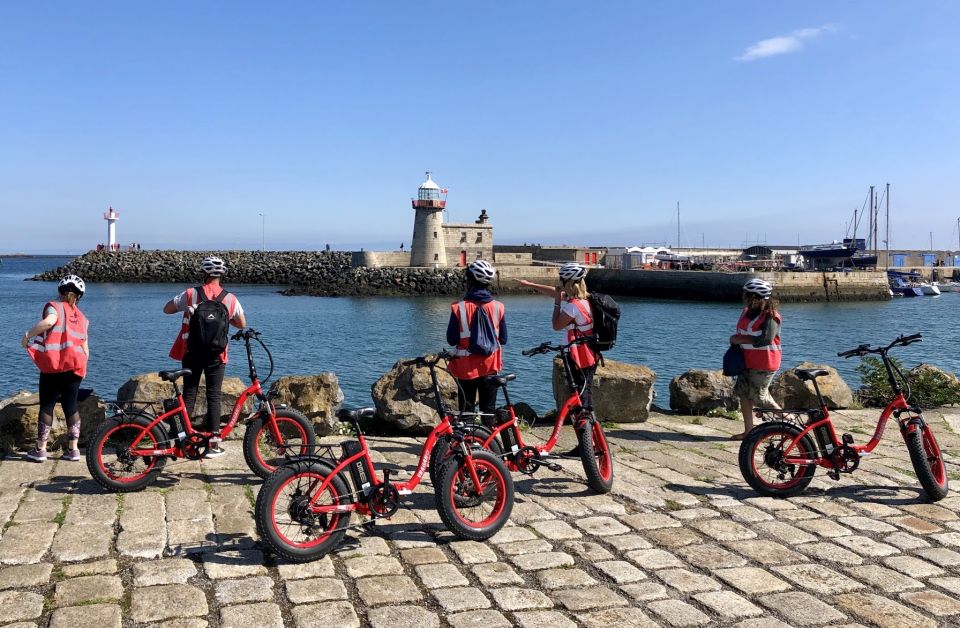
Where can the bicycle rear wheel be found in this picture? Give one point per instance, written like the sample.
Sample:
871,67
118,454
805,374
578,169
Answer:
927,460
762,460
442,450
284,520
109,460
471,512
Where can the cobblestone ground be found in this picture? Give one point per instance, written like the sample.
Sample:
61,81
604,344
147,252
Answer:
682,541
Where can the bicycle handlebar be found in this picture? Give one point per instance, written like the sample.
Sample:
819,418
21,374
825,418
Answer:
424,360
546,346
864,349
246,334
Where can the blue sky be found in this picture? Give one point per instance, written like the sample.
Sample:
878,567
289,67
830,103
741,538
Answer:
569,122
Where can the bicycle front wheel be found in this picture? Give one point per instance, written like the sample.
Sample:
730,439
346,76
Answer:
927,461
264,453
596,457
474,512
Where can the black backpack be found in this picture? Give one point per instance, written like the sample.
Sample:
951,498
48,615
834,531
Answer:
209,326
605,313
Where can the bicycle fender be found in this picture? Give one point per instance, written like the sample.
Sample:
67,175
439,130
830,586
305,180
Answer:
326,463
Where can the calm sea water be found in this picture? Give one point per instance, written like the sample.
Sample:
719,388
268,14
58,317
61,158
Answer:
360,338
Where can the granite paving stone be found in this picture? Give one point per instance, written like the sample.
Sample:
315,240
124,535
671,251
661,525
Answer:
322,568
423,556
627,542
802,609
496,574
673,537
378,590
564,578
472,552
728,605
518,599
441,575
687,581
724,530
951,584
620,571
911,566
678,613
105,567
99,615
818,578
460,599
831,553
650,521
373,566
26,543
17,576
536,546
866,546
542,619
479,619
402,617
710,557
883,579
315,590
85,588
934,602
545,560
645,591
585,598
171,601
881,611
241,590
251,616
166,571
653,559
234,564
765,552
556,530
752,580
619,617
20,605
339,614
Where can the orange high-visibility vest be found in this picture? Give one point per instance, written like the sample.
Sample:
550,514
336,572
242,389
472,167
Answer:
467,365
60,349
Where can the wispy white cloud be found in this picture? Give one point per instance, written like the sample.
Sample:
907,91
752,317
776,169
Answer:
784,44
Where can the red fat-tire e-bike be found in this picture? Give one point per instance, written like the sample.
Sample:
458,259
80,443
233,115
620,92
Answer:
131,448
304,507
501,433
780,456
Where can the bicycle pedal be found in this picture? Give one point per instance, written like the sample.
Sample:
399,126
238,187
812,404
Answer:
553,466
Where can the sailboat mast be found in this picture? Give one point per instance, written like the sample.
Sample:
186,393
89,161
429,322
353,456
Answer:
678,227
887,240
870,224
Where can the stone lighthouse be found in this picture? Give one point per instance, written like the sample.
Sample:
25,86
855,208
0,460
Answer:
428,247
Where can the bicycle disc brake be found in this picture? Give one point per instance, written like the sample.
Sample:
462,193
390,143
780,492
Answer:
195,446
384,500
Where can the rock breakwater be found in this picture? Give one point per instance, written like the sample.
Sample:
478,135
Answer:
259,267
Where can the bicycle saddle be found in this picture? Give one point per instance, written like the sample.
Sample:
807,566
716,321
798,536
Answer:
810,374
501,380
352,414
169,376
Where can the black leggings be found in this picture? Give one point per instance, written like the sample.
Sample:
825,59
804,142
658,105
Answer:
467,395
213,372
59,386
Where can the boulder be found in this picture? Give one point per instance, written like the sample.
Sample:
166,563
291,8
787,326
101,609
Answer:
699,391
621,392
404,398
149,387
317,396
19,414
790,392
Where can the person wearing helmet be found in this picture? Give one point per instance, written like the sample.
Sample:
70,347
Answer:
58,346
571,312
758,334
477,341
201,362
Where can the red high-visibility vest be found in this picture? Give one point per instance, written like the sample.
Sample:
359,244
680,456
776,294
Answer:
467,365
60,349
766,358
582,355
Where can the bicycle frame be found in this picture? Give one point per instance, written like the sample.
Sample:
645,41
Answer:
897,406
253,390
572,404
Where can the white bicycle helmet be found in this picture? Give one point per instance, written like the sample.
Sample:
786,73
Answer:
759,287
213,266
482,271
74,282
572,271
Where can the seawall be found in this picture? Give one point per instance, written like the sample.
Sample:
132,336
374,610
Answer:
716,286
332,274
